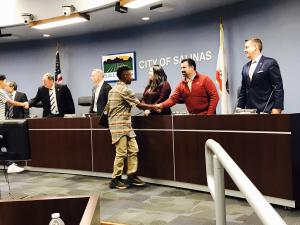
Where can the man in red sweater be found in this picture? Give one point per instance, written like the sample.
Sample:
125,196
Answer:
196,90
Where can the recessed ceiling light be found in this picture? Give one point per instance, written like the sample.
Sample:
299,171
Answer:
146,18
59,21
46,35
134,4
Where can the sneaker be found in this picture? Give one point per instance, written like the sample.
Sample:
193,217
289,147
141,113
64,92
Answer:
118,183
135,181
14,168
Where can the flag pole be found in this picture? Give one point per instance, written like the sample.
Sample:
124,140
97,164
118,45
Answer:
222,74
58,76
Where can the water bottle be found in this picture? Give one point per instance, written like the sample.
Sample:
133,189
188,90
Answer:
56,220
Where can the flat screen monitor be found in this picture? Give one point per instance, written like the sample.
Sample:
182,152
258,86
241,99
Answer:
14,140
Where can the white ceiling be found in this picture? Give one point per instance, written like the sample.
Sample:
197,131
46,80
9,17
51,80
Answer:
102,16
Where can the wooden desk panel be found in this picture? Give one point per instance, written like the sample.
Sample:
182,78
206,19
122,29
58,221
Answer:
295,142
59,123
156,154
62,143
254,122
151,155
103,151
152,122
261,157
61,149
154,137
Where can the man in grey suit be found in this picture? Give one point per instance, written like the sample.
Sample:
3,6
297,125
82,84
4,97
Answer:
99,92
262,87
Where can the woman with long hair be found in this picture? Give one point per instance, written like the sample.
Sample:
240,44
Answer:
157,90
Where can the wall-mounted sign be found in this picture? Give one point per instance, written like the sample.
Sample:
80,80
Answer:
175,59
110,64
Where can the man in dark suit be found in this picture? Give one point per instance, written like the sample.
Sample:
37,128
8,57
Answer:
99,92
14,112
56,98
262,87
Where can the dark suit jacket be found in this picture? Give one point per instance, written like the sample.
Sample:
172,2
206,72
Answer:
102,98
64,100
266,83
19,112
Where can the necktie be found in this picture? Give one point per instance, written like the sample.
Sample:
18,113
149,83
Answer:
252,68
53,104
10,107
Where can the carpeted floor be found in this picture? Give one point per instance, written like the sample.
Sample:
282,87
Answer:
150,205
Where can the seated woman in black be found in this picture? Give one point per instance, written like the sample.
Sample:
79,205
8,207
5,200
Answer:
157,90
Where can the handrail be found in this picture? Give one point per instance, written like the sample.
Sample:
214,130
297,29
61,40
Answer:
216,161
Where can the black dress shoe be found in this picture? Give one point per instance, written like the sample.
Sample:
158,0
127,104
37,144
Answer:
118,183
134,180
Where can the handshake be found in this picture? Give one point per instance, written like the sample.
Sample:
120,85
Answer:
156,107
26,105
19,104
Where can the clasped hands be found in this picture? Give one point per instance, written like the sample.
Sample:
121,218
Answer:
157,107
26,105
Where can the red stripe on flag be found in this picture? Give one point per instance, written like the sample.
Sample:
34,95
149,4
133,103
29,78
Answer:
219,79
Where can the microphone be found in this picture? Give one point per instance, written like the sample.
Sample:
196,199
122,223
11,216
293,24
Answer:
237,109
263,112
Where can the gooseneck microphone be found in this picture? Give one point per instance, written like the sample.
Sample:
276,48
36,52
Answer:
269,99
235,107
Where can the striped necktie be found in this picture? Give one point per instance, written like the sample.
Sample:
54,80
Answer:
53,104
10,107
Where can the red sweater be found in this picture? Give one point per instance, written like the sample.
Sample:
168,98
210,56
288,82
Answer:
203,98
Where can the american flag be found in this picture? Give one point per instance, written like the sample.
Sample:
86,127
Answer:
58,76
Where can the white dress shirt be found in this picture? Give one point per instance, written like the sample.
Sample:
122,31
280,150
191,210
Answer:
97,91
13,95
254,65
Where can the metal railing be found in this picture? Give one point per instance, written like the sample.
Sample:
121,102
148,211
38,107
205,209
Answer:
216,161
